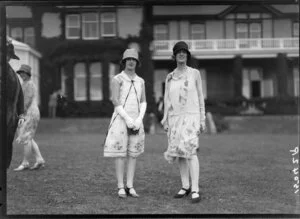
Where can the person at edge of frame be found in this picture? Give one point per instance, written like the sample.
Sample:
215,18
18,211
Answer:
184,120
125,138
15,101
27,129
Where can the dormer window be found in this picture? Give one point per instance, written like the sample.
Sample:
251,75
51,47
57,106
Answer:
73,26
91,25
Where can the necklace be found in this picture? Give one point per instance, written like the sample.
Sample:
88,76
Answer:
179,73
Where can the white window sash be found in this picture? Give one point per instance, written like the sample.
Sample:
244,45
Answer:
79,98
161,30
296,81
97,96
200,32
17,32
204,82
84,23
79,73
246,83
108,21
68,26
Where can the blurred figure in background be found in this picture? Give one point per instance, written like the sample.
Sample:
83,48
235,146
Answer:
52,104
27,129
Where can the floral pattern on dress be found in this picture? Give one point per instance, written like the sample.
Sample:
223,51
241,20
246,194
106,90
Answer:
118,143
27,130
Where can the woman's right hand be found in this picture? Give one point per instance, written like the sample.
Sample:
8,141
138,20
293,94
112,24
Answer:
129,122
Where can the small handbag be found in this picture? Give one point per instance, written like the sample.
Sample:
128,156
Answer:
130,131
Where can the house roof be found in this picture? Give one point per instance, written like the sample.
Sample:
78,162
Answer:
24,47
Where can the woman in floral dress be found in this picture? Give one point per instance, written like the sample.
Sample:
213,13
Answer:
27,129
128,96
184,119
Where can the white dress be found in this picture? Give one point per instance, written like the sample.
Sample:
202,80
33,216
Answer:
185,112
118,143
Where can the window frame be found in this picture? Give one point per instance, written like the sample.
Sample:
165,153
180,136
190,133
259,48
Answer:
197,32
296,81
82,75
78,26
166,31
95,77
293,29
21,31
27,36
114,22
83,22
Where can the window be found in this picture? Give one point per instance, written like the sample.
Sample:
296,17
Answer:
96,81
254,15
241,16
296,29
241,31
113,70
17,33
79,82
255,30
248,31
296,81
203,79
73,26
197,31
108,24
265,15
63,80
90,26
29,36
161,32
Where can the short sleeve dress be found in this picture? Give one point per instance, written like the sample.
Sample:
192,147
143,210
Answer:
118,143
185,109
27,130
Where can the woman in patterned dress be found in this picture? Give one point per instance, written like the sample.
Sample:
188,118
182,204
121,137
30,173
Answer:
27,129
184,119
128,96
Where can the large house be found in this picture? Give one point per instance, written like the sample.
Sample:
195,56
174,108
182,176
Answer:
249,51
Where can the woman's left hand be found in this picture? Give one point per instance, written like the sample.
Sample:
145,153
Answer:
21,121
137,123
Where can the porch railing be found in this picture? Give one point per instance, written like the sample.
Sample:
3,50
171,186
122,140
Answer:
231,44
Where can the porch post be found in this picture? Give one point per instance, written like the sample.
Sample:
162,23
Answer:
147,69
282,75
237,75
70,79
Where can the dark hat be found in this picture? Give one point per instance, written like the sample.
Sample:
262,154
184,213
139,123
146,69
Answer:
10,50
181,45
26,69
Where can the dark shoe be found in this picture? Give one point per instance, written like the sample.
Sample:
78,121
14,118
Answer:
197,198
187,192
122,193
37,166
131,192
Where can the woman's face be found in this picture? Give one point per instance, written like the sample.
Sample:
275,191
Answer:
181,56
24,76
130,63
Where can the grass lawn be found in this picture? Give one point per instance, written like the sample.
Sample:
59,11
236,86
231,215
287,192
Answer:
239,173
